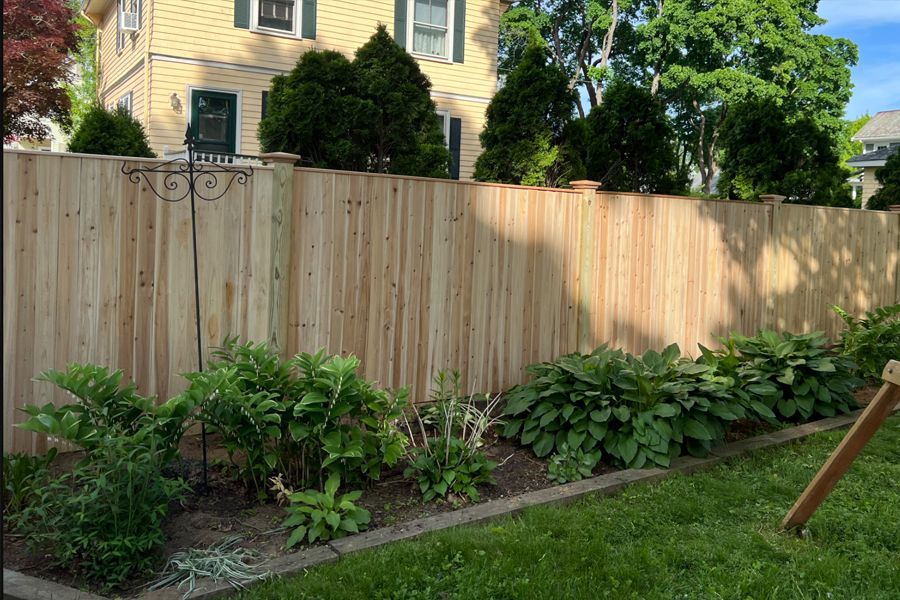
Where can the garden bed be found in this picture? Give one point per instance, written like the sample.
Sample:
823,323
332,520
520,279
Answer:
226,510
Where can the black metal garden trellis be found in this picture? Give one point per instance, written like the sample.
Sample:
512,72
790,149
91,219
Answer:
186,177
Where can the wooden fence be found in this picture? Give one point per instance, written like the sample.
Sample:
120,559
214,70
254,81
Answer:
412,275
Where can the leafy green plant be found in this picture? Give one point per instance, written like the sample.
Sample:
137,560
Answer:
23,476
872,341
635,409
567,465
322,515
448,458
105,408
796,376
303,418
223,561
104,519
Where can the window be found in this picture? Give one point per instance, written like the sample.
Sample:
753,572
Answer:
431,27
445,125
128,21
125,102
276,15
870,147
880,147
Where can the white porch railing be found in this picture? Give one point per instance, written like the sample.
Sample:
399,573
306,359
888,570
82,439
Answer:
216,157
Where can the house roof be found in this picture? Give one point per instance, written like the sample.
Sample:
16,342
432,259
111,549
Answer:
885,124
873,159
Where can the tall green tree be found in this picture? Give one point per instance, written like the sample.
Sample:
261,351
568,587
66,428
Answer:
848,147
889,178
405,135
630,143
374,114
766,149
82,90
525,124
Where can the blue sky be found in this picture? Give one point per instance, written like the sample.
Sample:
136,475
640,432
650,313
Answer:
874,25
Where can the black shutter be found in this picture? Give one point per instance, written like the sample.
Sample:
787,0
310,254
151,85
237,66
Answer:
242,14
265,104
400,22
308,20
459,31
455,135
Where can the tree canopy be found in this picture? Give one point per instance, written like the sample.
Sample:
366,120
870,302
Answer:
699,57
38,36
525,124
372,114
889,178
114,133
768,150
82,91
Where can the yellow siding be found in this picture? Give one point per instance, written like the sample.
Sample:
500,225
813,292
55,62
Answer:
204,30
870,184
114,66
135,85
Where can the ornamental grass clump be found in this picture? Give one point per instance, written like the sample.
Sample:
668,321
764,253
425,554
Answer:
446,457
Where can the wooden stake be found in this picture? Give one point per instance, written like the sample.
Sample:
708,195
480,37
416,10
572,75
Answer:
856,439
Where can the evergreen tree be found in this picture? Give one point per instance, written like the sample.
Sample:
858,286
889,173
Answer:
766,150
526,120
374,114
629,143
889,178
314,111
114,133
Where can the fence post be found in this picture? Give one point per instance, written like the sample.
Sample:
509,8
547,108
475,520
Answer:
586,256
775,201
280,246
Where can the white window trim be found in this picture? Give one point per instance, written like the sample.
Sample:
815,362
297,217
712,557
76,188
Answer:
239,108
298,18
126,100
410,27
445,118
121,35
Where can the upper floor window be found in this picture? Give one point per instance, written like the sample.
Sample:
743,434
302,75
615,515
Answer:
431,27
870,147
276,15
128,20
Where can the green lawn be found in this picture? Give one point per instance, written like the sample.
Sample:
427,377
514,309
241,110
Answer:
707,535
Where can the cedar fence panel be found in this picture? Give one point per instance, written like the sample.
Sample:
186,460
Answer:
412,275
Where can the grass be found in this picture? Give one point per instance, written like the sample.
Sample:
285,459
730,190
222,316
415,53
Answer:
708,535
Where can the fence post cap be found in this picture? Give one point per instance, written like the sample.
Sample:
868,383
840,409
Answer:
585,184
279,157
772,198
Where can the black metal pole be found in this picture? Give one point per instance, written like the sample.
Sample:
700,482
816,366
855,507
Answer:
189,142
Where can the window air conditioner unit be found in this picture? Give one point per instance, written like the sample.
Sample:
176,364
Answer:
130,21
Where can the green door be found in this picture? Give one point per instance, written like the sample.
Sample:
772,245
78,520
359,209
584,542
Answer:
214,120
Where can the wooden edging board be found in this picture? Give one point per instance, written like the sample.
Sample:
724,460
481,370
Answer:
604,485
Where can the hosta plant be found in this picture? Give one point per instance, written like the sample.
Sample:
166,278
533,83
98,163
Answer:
871,341
634,409
796,376
446,457
568,465
321,515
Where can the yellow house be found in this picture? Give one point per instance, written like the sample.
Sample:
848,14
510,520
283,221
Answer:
210,62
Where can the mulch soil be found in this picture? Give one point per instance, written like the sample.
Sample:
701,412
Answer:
228,510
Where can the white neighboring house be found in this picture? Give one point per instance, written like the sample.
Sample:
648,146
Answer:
880,138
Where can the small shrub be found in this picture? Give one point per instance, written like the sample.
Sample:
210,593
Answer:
566,465
872,341
304,418
449,460
321,515
104,520
796,376
113,132
23,477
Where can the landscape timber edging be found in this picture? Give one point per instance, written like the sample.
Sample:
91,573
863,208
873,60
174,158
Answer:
25,587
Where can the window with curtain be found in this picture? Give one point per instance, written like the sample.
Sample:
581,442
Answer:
431,27
279,15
